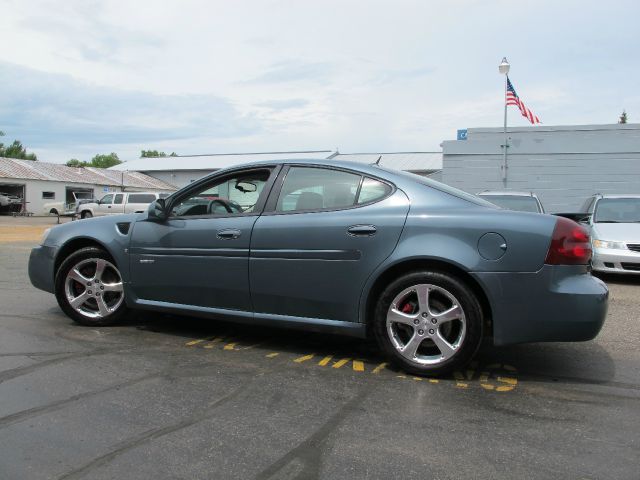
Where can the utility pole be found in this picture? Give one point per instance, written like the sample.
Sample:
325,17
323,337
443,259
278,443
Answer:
503,68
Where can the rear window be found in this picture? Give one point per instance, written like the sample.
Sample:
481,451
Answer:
372,190
514,202
141,197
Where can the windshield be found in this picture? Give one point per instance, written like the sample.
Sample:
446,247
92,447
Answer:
514,202
617,210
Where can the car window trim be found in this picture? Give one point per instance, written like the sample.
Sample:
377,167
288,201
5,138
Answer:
270,207
258,207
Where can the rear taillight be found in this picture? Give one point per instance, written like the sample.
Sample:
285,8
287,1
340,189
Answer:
569,244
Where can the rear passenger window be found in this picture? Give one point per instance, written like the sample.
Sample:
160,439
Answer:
309,188
141,198
372,190
118,199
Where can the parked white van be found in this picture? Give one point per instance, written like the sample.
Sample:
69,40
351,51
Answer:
119,202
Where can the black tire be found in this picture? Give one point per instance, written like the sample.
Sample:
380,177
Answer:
86,214
87,254
53,211
466,300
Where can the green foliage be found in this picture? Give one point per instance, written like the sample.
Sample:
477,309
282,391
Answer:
623,117
99,161
16,150
74,162
155,153
105,161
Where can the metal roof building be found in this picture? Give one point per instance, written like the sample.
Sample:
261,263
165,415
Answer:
39,183
184,169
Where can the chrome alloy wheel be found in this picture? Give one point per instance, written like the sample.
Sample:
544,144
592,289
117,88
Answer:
93,288
426,324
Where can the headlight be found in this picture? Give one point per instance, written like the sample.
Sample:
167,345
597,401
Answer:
608,244
44,236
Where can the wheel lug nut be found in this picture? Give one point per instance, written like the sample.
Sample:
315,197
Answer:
88,284
434,321
424,314
432,331
416,321
89,291
420,332
97,294
101,287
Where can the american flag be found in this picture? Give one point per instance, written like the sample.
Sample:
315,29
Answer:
513,99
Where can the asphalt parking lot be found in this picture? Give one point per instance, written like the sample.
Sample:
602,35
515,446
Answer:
174,397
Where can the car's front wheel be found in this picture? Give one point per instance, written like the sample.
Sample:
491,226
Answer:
86,214
89,288
428,323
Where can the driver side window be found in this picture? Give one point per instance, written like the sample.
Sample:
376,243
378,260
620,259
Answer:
234,195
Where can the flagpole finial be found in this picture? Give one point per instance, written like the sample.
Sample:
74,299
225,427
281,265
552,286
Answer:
504,66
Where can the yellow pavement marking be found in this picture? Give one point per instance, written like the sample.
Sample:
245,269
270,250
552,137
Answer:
379,367
212,342
194,342
417,379
459,376
433,380
401,376
325,360
304,358
271,355
230,346
341,363
509,380
358,366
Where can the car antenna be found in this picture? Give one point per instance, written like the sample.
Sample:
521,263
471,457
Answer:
377,162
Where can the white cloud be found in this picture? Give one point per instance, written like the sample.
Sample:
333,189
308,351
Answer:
210,76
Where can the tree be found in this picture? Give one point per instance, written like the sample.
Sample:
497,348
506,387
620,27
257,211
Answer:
155,153
623,117
74,162
16,150
99,161
105,161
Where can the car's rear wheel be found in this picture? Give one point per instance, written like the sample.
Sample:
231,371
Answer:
428,323
86,215
89,288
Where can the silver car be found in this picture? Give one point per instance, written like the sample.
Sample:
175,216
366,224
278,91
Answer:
614,221
512,200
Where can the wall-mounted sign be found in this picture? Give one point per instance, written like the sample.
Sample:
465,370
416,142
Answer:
462,134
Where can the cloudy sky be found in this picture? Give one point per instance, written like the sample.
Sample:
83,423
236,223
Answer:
82,77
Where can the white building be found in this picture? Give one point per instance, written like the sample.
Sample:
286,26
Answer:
38,183
563,165
184,169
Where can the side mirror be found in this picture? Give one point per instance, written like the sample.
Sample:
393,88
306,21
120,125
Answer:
246,187
157,211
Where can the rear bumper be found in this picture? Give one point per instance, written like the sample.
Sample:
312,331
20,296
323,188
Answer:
555,304
41,262
616,261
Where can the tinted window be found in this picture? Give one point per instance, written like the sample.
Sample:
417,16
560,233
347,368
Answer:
233,195
372,190
106,199
308,188
141,198
514,202
118,199
618,210
49,195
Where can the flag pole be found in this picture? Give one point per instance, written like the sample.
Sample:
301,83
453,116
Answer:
503,68
506,139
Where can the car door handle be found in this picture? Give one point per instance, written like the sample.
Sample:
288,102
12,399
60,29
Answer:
109,206
229,233
362,230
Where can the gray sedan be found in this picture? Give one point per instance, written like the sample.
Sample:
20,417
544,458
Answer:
338,247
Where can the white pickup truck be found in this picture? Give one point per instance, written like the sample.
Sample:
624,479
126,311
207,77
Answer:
120,202
63,209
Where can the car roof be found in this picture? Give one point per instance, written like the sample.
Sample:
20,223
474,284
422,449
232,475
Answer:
617,195
508,193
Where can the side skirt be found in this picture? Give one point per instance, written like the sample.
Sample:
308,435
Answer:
322,325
